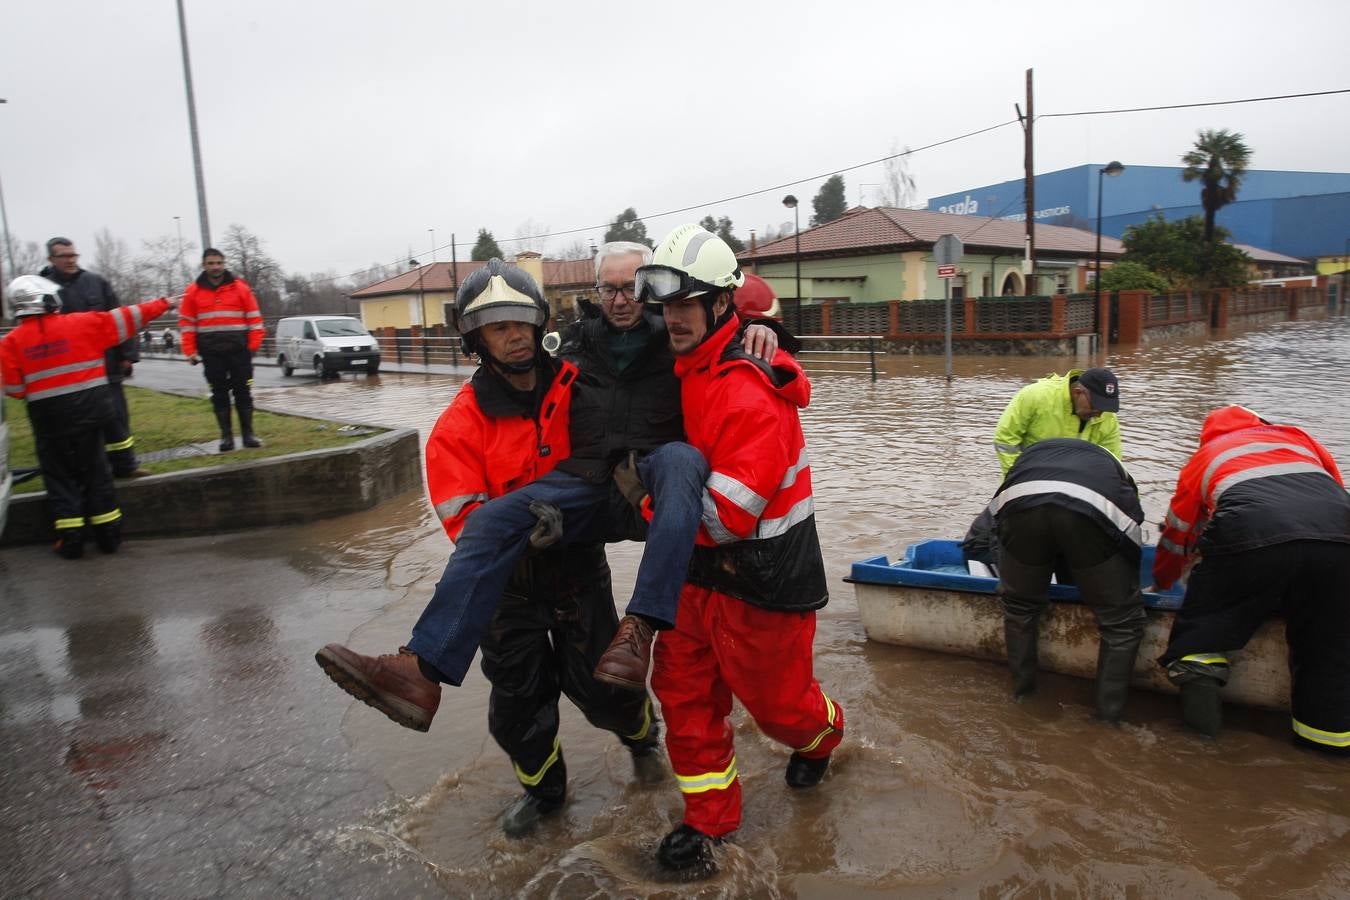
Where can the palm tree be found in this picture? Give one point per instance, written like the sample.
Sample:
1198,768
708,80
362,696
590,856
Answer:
1219,160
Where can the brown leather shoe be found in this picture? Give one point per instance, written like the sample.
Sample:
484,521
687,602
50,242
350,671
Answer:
626,661
391,683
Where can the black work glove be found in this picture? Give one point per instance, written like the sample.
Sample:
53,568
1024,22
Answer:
629,483
548,528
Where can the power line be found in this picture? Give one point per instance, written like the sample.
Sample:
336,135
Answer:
1111,112
873,162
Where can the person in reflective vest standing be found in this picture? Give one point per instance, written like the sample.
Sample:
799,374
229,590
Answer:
222,328
56,364
1264,508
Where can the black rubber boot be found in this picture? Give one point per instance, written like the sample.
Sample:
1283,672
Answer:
1021,637
108,536
246,428
688,849
647,765
226,430
539,800
70,544
1115,668
805,773
1201,706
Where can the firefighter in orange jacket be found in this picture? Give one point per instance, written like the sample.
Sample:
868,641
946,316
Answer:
56,364
507,427
222,328
1265,508
746,617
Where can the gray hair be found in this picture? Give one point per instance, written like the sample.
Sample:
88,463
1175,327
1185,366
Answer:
620,248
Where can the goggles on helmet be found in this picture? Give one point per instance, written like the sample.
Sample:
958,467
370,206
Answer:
663,284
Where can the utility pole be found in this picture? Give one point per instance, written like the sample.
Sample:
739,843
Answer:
4,223
1029,266
192,128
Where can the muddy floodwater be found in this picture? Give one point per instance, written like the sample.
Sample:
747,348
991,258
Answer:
942,787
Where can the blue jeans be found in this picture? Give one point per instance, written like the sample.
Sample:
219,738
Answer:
496,534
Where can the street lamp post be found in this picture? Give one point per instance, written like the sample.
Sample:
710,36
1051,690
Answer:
791,203
1113,169
432,232
4,223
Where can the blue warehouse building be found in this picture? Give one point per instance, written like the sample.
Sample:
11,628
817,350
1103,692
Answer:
1303,214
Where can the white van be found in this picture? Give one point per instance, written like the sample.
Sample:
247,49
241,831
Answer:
325,344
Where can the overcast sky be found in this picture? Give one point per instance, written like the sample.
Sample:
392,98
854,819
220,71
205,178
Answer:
340,132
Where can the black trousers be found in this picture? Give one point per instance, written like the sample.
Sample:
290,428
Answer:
553,623
1034,540
229,370
1308,583
78,478
118,440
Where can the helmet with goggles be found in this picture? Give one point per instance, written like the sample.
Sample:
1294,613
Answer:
32,295
689,262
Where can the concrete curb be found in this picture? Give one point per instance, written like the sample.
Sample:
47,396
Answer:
283,490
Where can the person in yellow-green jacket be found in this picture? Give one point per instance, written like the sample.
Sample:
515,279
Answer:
1081,404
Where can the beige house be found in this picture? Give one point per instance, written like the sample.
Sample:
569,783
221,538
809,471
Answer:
419,298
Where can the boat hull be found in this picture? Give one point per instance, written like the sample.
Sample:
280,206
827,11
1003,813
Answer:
970,623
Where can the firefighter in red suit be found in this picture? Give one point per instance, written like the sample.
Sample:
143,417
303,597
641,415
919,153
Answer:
505,428
746,617
1265,508
56,364
222,329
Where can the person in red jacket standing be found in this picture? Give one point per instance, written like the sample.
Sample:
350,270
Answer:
746,619
222,329
56,364
1265,508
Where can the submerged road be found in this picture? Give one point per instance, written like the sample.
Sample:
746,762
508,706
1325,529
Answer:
166,733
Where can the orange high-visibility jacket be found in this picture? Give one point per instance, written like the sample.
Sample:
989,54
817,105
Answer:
223,313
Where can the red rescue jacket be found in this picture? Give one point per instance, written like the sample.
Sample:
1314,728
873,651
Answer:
1251,484
485,445
56,364
222,315
757,540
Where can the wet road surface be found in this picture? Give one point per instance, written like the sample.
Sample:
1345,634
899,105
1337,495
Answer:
167,733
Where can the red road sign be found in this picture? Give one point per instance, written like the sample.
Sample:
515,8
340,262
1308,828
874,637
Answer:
946,271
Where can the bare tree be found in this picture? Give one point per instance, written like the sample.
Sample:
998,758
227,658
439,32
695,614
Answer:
29,257
578,249
898,187
114,262
161,265
246,257
529,236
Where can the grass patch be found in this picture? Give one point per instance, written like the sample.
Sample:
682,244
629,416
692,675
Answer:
166,421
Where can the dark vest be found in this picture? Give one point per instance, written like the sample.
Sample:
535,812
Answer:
612,411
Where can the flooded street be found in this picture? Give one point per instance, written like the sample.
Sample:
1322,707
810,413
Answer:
942,788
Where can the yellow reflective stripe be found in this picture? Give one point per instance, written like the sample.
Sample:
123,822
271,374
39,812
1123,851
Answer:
120,445
1330,738
641,733
1208,659
708,781
105,518
62,524
829,729
532,780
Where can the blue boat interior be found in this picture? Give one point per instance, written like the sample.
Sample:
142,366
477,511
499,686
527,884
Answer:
940,564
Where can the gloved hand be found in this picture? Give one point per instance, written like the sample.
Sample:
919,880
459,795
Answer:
194,359
629,483
548,528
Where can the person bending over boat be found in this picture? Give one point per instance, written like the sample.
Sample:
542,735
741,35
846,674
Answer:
1079,404
1265,508
1069,499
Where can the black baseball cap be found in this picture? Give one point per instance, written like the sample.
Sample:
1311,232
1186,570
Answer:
1103,388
